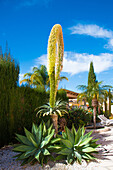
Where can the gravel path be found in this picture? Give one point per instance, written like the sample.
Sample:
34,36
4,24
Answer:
104,158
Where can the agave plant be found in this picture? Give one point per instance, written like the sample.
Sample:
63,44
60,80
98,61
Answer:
76,146
36,145
59,108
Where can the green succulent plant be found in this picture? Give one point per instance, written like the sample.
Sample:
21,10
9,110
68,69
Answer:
76,146
36,145
59,108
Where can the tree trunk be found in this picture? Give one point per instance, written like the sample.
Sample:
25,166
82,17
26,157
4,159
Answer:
109,103
99,110
105,103
94,116
55,122
94,104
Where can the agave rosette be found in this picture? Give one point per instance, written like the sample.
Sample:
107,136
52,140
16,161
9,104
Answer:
76,146
36,145
59,108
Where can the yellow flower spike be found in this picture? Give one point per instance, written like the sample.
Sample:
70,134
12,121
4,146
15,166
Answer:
55,60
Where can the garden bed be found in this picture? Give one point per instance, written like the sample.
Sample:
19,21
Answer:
104,158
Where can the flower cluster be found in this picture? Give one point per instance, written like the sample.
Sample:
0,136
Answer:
55,60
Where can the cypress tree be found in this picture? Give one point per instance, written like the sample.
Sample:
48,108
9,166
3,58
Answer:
91,76
91,82
9,74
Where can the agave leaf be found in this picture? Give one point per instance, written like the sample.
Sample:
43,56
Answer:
94,140
39,134
23,148
83,130
29,135
63,110
50,129
54,147
34,143
24,162
30,152
67,143
48,124
65,151
22,156
87,135
17,155
64,135
88,149
70,158
85,157
73,130
78,136
85,141
70,136
55,140
89,156
59,112
47,139
23,139
59,157
79,157
34,129
94,145
42,159
29,160
37,155
46,152
44,129
18,139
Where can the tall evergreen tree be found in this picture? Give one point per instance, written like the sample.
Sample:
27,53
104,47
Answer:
91,81
9,74
91,76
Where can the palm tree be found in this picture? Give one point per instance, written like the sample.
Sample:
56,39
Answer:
107,94
26,79
93,93
39,78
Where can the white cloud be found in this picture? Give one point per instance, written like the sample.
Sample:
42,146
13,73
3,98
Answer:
91,30
20,77
75,63
42,60
94,31
110,44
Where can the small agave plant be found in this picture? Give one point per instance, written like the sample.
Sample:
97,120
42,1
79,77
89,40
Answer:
36,145
58,109
76,146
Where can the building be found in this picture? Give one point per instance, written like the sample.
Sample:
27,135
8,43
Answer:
73,99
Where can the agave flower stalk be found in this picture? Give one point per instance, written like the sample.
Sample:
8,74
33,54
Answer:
55,60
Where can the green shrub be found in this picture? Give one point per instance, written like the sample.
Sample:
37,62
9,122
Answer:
62,95
76,146
36,146
78,117
9,73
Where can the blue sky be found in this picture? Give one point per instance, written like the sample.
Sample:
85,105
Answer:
87,30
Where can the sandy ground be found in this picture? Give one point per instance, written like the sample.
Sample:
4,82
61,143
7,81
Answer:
104,157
